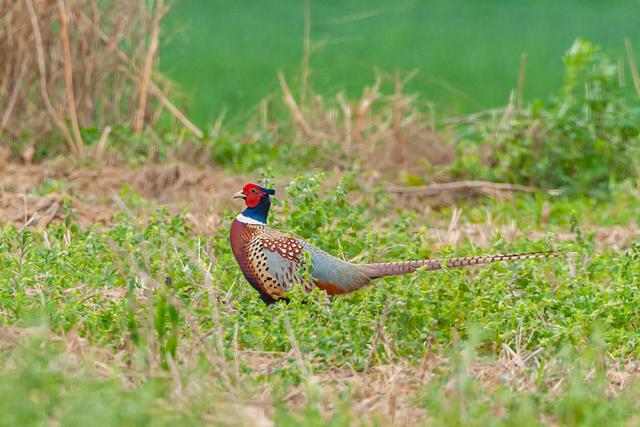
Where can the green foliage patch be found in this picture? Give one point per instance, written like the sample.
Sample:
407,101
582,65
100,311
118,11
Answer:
151,291
580,141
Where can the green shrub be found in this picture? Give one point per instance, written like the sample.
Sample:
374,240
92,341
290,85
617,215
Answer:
580,141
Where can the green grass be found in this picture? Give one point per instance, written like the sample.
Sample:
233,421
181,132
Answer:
131,316
226,54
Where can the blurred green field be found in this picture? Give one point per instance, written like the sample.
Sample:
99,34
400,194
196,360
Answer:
226,54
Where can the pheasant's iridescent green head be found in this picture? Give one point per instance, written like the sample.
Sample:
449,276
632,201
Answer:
257,200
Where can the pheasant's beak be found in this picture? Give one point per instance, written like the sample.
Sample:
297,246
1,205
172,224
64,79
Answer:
239,195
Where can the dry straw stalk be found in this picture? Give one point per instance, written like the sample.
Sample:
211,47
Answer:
73,64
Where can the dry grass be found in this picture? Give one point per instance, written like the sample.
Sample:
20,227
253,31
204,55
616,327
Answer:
390,132
70,64
94,193
456,231
205,192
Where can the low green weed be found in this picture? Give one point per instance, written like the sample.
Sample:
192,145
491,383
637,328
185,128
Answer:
169,301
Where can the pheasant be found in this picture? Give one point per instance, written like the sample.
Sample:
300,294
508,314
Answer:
271,261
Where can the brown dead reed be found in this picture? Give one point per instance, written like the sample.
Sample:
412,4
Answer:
388,129
72,64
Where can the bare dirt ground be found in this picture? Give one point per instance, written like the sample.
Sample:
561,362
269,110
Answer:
616,237
36,193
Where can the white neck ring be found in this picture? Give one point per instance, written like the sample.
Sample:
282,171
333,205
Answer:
246,220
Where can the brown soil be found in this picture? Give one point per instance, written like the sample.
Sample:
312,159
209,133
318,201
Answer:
35,194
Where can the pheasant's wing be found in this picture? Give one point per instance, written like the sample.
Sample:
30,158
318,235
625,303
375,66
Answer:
274,261
276,258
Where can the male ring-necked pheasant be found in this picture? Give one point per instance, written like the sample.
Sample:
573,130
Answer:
271,260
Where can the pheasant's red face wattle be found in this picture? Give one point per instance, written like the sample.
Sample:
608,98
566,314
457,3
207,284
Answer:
253,195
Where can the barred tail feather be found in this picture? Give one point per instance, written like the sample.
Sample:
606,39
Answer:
407,267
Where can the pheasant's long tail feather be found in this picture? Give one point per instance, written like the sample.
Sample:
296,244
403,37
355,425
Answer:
407,267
